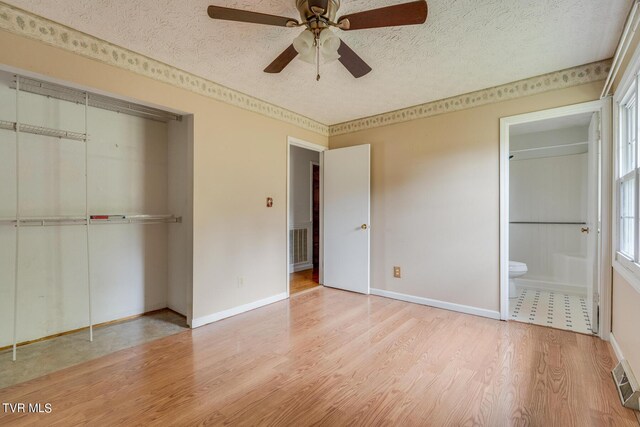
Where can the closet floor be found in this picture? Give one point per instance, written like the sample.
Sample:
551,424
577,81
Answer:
44,357
553,309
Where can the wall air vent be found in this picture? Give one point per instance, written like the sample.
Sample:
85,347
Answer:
627,385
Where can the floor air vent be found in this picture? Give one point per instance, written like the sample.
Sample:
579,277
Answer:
627,385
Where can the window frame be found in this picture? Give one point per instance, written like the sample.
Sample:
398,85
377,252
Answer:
628,265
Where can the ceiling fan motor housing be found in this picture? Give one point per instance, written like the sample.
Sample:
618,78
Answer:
307,15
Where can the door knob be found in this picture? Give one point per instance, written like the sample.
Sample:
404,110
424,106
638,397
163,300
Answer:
364,226
584,230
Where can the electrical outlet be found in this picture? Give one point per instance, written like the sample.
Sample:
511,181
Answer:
240,282
396,272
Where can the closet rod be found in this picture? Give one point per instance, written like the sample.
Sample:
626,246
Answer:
40,130
135,219
95,219
549,147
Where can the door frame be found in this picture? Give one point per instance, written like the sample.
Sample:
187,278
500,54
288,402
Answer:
292,141
602,106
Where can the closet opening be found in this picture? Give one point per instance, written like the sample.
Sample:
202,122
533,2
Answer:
95,225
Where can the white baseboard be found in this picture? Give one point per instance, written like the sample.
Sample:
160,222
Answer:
616,347
551,286
438,304
301,267
200,321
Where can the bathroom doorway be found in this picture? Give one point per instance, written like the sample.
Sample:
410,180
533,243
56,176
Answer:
552,217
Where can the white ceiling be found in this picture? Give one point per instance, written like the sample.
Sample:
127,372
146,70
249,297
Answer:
466,45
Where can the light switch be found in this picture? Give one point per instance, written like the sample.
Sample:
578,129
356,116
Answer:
269,202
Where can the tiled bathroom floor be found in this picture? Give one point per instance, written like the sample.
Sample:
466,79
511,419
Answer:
553,309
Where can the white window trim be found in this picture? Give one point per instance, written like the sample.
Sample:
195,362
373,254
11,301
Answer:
628,269
621,263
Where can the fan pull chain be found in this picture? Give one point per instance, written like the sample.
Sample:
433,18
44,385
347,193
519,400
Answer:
317,59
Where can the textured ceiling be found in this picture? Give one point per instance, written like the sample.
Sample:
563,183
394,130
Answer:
466,45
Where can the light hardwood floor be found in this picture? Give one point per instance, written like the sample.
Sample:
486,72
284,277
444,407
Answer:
303,280
334,358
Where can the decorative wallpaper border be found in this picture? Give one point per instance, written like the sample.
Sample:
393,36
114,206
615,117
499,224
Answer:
582,74
26,24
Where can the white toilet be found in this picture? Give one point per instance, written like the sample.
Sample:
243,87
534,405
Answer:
516,269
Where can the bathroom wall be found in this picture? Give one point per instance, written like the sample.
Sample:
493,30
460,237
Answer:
546,187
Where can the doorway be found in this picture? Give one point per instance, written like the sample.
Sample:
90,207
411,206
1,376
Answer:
554,238
339,197
304,207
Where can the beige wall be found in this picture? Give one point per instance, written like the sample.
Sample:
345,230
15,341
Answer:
625,305
435,195
239,160
626,319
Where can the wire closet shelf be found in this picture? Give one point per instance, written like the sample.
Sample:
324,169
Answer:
86,99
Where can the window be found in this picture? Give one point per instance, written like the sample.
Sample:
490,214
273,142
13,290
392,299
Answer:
627,179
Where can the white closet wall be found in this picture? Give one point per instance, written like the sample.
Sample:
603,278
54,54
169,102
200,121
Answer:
129,171
128,174
180,202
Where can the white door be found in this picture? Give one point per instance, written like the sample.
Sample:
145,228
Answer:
593,221
346,218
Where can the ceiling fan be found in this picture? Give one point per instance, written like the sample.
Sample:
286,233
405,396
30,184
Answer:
317,39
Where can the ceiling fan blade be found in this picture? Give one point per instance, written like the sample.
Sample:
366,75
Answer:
319,4
282,60
227,14
401,14
352,62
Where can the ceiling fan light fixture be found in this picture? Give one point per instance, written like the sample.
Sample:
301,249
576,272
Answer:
328,42
303,44
309,57
329,45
